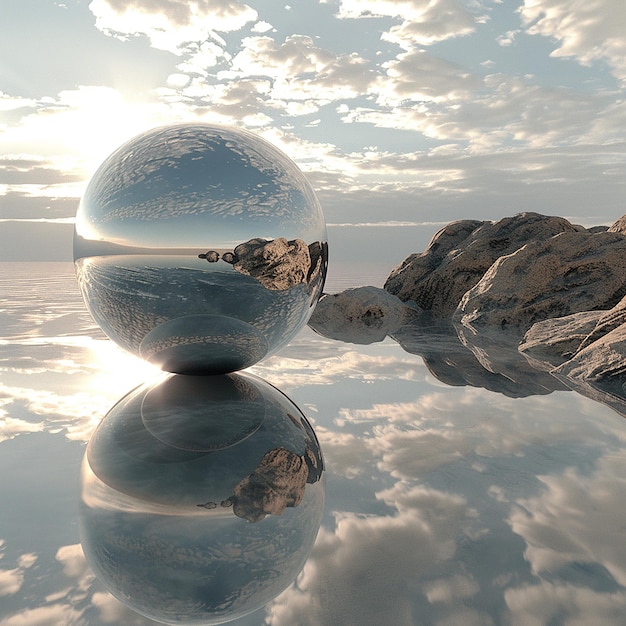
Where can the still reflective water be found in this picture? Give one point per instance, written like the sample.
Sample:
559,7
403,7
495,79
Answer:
443,504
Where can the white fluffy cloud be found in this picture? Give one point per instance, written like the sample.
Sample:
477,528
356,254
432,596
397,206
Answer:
413,438
424,21
11,580
301,70
545,603
171,24
362,573
576,519
588,30
500,112
419,76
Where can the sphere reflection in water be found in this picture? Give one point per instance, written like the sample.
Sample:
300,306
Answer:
201,497
200,248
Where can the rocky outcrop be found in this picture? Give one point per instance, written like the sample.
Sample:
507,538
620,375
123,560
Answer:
368,314
527,305
565,274
363,315
619,226
459,255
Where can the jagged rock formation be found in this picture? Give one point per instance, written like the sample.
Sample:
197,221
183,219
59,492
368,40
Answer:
459,255
526,305
569,273
368,314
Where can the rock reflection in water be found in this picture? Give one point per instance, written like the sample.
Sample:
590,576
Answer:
452,352
200,248
201,497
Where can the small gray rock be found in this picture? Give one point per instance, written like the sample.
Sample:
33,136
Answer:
362,315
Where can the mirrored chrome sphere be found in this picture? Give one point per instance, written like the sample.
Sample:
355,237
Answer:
201,497
200,248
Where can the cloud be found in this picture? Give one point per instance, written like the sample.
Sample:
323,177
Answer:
171,24
11,427
24,171
300,70
587,30
419,76
75,130
11,580
439,428
44,616
508,112
79,602
72,559
344,453
287,371
545,603
424,22
362,572
576,519
448,589
10,103
96,373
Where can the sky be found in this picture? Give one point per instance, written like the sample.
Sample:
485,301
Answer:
403,114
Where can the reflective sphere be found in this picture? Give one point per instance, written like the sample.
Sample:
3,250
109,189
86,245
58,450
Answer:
200,248
201,497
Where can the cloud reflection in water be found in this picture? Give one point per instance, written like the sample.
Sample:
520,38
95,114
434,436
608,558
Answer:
443,504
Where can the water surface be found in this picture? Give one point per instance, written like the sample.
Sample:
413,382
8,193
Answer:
443,504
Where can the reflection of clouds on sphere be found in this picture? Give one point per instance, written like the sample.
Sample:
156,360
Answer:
201,497
200,248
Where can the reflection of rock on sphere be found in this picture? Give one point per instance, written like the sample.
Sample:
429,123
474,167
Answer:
200,248
201,497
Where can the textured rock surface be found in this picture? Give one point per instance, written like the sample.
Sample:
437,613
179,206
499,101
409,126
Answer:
607,322
603,363
619,226
277,264
569,273
598,347
554,341
459,255
363,315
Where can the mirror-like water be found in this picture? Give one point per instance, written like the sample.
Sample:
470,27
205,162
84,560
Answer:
443,503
